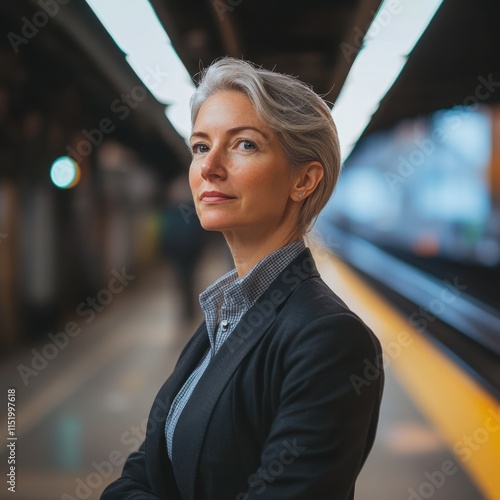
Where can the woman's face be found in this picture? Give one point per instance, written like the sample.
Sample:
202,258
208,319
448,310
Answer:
239,175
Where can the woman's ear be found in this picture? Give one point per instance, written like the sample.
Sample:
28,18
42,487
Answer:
306,180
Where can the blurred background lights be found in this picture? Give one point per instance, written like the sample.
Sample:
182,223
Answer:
65,172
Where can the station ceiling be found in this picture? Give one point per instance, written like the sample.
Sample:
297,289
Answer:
73,57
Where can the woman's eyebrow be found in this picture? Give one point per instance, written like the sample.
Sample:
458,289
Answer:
232,131
235,130
203,135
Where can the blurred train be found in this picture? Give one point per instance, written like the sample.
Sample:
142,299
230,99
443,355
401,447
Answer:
429,186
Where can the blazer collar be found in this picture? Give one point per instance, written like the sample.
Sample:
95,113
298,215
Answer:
191,427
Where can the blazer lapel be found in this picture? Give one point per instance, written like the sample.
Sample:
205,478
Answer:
191,427
156,451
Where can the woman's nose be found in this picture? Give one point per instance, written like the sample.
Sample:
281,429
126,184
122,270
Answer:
213,164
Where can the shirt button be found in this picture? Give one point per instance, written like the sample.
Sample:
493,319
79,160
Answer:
224,324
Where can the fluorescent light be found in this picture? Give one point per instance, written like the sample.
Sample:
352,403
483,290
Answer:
394,32
180,117
163,73
135,28
132,24
370,78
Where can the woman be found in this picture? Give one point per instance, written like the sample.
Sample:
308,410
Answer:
265,400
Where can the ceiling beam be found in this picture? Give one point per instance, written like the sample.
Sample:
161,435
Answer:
230,39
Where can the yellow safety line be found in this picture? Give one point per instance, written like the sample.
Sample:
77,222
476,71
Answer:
467,417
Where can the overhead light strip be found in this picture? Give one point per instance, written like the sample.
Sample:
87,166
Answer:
392,35
135,28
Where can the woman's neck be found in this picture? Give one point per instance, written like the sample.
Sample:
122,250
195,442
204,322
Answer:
248,251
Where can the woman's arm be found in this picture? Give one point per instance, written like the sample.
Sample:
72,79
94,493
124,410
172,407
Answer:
133,483
325,424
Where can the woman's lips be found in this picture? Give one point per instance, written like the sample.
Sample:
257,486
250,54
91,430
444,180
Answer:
215,197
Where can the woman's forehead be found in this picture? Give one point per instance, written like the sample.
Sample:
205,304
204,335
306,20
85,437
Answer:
229,110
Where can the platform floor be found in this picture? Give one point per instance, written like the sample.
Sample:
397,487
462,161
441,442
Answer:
87,408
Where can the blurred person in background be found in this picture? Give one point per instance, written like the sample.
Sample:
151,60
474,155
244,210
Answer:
183,242
263,401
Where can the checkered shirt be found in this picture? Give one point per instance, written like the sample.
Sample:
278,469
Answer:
224,303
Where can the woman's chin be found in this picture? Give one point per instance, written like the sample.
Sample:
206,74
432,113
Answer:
211,224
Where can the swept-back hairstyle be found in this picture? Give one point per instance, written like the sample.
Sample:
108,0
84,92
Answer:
300,118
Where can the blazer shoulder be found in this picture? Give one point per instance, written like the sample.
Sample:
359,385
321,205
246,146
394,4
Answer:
314,310
313,296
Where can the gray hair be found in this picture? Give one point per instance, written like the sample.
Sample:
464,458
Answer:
300,118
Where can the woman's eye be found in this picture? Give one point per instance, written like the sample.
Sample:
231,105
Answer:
199,148
247,145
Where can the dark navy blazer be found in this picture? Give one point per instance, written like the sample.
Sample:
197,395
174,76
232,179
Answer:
287,409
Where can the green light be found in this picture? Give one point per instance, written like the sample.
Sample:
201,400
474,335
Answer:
64,172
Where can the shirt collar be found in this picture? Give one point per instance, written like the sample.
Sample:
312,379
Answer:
244,292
